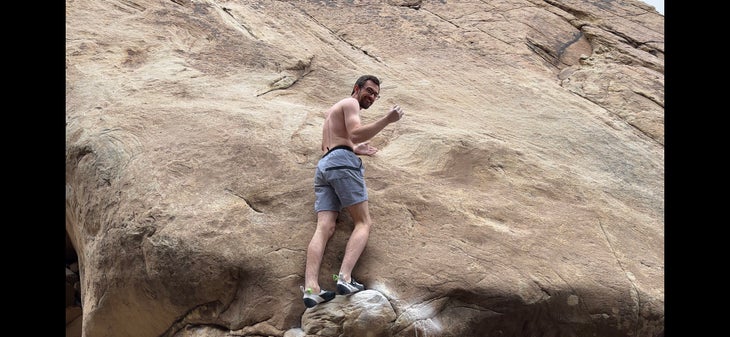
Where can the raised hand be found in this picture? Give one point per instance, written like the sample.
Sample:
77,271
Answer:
395,114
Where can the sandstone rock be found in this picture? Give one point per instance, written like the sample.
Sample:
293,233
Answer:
522,194
364,314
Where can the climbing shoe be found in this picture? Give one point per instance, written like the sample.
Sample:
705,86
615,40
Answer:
346,288
311,299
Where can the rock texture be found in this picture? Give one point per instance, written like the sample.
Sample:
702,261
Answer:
521,195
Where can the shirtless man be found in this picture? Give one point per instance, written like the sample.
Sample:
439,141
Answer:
339,183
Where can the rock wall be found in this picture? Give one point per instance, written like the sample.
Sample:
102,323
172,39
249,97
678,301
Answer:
521,195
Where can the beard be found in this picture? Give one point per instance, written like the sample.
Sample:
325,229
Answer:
365,103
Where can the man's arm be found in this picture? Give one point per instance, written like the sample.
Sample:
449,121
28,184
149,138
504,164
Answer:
361,133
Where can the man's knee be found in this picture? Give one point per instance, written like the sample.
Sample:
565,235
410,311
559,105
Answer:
363,221
326,227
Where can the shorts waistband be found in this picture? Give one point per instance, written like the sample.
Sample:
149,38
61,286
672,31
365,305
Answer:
337,148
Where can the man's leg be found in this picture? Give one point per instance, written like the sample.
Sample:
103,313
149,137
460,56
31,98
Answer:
315,251
358,239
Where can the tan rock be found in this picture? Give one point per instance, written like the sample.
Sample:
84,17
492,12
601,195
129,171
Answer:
523,191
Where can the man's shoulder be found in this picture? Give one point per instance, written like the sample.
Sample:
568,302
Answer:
348,104
339,108
347,100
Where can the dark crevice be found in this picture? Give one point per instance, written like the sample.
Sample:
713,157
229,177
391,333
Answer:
250,205
74,311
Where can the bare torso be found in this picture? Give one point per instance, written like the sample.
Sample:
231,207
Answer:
342,114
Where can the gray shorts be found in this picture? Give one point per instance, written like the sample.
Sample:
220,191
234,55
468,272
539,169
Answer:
339,181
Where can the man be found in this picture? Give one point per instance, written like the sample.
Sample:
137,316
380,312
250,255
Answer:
339,183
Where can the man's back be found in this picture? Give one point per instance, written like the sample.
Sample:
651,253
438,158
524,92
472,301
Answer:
334,130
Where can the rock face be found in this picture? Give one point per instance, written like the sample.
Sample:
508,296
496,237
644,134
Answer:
522,194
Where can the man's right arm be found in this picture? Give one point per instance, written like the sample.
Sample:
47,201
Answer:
362,133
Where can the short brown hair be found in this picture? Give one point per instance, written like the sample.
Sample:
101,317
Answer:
364,78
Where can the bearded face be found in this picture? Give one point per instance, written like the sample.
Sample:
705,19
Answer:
368,94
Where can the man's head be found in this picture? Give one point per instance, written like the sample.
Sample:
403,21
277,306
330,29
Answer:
366,90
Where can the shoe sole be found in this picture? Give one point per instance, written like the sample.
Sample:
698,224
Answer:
310,302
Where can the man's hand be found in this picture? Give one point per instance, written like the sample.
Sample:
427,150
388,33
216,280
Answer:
365,149
394,114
